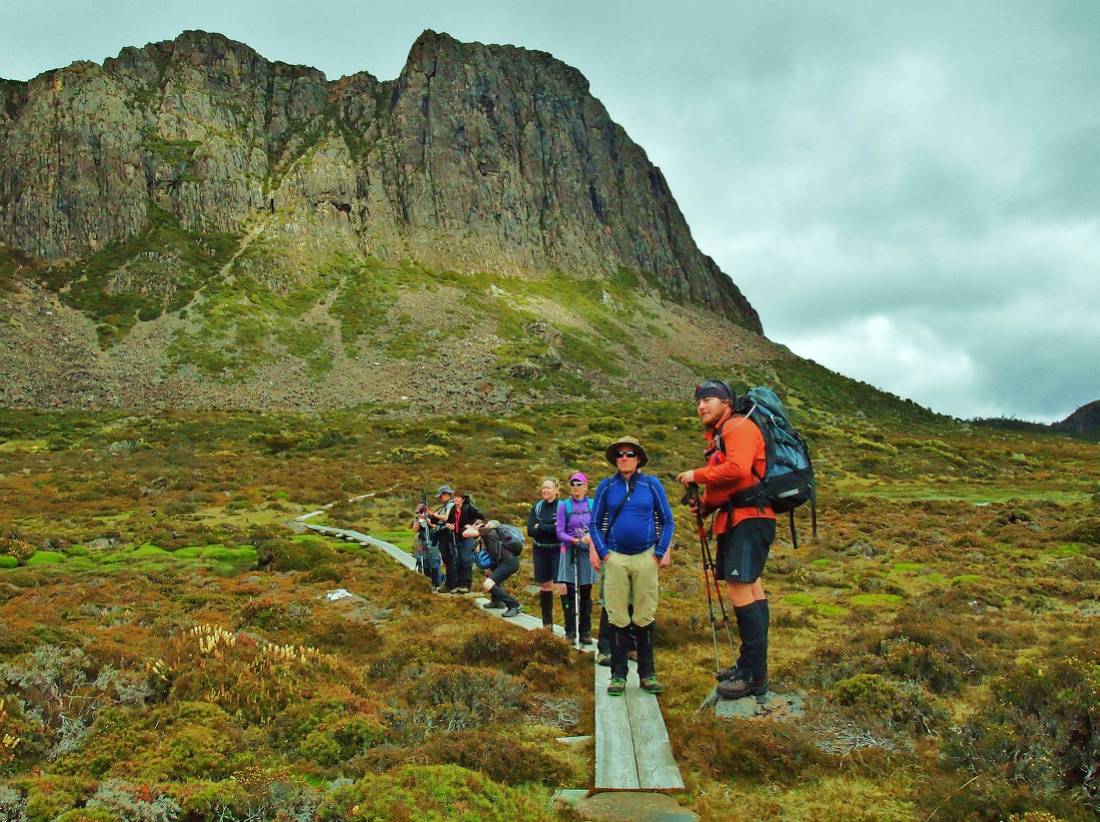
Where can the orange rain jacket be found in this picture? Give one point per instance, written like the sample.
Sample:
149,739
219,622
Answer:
727,473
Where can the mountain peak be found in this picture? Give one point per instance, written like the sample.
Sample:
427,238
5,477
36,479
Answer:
477,158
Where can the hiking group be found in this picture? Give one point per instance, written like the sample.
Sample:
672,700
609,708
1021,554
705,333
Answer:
617,539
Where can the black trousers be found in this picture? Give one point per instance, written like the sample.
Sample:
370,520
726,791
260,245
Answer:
505,567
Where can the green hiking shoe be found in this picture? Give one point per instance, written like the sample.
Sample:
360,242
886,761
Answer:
617,686
652,685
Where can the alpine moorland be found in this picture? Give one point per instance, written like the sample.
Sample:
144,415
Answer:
235,291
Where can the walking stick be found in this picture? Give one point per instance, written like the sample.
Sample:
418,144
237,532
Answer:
576,596
709,578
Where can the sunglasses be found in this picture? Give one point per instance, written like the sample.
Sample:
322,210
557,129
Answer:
621,454
577,482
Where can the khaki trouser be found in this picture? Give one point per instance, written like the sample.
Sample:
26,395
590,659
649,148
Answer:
630,578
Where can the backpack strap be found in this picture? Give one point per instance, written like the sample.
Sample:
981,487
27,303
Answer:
630,486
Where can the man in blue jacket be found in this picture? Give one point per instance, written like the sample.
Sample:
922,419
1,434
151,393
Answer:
630,536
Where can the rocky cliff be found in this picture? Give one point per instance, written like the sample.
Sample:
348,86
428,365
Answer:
475,158
1085,421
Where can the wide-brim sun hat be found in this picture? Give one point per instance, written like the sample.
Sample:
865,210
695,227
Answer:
643,457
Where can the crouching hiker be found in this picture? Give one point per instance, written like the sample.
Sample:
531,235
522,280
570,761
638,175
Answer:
735,462
500,556
543,529
574,519
631,532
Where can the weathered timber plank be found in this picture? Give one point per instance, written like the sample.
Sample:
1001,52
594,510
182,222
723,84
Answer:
657,769
616,766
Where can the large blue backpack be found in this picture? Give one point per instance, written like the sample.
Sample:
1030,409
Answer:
788,480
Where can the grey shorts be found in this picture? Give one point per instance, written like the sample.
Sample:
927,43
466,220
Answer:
743,551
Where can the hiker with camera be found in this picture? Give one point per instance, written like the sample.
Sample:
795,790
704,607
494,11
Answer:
631,532
542,527
574,517
736,461
499,555
445,537
428,557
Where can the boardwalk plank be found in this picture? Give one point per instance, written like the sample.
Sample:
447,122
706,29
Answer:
657,769
616,765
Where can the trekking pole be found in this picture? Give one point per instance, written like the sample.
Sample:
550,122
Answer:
710,578
692,496
576,595
718,592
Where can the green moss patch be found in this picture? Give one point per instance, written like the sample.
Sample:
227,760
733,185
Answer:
46,558
875,600
801,600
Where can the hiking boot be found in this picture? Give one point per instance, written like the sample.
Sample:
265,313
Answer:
616,687
515,610
586,639
494,606
462,590
741,687
571,638
651,685
603,659
736,672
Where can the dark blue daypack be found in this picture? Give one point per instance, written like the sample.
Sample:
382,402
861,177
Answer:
788,480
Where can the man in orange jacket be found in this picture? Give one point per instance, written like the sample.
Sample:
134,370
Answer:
736,461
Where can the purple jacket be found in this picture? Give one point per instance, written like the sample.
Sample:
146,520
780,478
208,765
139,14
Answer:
570,524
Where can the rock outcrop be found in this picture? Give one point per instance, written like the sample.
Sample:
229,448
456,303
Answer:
475,157
1085,421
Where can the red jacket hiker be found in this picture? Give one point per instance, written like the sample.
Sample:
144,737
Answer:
727,473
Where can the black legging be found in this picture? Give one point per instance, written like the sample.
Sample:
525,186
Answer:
585,613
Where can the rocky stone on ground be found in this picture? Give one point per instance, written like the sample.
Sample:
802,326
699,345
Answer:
773,706
632,806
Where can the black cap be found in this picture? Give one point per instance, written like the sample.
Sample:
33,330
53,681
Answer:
715,388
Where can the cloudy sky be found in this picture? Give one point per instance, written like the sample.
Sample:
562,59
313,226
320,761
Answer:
908,192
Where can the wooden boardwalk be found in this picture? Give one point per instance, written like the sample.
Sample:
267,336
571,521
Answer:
632,747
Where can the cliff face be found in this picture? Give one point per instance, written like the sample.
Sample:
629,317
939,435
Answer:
475,158
1085,421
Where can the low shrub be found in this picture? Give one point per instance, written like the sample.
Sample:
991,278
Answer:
897,706
294,555
768,751
484,691
432,793
20,549
249,679
407,453
115,799
1040,726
